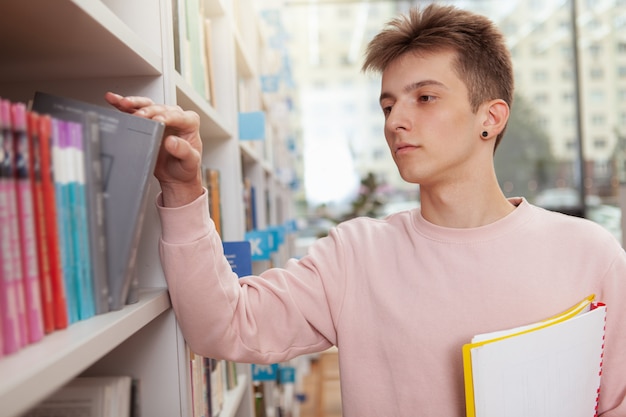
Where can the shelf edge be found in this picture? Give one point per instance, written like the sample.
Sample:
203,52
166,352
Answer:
39,369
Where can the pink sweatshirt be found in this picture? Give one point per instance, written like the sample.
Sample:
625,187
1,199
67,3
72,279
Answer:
398,297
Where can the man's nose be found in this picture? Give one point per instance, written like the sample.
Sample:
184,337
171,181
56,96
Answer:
398,118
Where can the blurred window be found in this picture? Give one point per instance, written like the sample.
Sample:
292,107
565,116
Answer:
565,139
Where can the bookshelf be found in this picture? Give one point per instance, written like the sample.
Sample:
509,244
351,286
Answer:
81,49
37,370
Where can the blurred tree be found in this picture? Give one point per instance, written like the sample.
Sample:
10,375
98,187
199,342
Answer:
368,202
524,161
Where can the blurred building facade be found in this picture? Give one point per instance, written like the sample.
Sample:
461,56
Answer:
570,78
576,75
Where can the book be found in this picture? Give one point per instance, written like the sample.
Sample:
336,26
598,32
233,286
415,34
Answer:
249,210
550,368
212,182
239,256
43,255
93,191
27,222
61,162
208,61
253,204
129,148
51,224
9,290
181,42
21,227
89,396
231,375
83,271
4,225
216,382
176,30
195,52
14,276
199,387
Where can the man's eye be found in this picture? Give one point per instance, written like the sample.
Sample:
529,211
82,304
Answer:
386,110
426,99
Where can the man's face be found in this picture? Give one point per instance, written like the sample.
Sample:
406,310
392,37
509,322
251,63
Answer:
429,125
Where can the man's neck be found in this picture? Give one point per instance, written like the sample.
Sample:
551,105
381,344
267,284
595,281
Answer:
464,207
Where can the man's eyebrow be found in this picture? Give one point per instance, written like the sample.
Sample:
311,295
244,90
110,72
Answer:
411,87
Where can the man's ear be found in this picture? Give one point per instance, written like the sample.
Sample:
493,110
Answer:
497,115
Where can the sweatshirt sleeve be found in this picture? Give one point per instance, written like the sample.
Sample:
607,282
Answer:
283,313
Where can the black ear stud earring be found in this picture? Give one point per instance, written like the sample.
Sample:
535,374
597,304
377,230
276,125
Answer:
485,134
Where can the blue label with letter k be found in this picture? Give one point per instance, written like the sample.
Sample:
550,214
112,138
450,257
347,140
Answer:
261,244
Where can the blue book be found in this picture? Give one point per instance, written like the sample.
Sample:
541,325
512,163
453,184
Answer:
62,192
84,277
239,256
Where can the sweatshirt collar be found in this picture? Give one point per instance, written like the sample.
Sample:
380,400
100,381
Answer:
504,226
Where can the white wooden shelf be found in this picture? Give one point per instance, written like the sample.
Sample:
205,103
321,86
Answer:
89,41
211,122
244,66
39,369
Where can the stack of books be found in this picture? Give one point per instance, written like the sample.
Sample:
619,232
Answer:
74,181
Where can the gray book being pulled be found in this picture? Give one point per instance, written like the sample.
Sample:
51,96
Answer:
129,146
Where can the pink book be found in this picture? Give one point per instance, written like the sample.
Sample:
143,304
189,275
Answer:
11,291
1,327
4,227
26,223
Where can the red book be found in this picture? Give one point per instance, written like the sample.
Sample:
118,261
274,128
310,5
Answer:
43,255
50,218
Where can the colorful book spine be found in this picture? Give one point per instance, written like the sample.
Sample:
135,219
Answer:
130,148
3,226
84,280
215,202
4,249
51,222
1,329
94,191
11,329
14,288
61,168
26,225
43,254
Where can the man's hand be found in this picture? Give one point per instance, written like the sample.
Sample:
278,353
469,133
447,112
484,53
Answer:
179,161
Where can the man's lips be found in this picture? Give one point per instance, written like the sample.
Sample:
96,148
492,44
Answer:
401,148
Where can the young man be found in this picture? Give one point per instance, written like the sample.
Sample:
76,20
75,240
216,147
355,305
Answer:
399,296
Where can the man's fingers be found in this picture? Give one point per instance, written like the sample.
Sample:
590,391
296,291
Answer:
183,151
178,122
128,104
182,122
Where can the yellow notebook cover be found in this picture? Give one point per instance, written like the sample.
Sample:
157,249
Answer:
549,368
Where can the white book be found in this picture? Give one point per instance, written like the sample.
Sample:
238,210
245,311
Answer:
106,396
550,368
